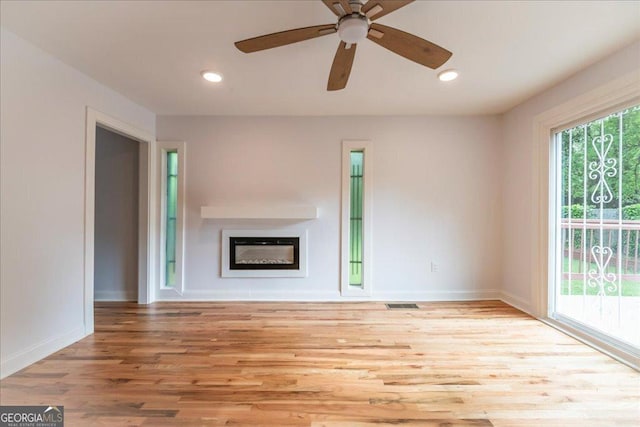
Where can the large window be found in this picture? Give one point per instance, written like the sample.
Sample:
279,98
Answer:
172,184
597,227
356,218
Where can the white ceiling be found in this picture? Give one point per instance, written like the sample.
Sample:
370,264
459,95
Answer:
153,52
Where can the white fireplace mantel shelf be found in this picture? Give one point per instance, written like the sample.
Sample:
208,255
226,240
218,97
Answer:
259,212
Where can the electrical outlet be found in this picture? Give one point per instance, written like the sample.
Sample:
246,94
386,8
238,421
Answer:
434,267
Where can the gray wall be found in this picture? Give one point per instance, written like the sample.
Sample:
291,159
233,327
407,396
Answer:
116,217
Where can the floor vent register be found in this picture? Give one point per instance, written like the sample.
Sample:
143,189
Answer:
402,306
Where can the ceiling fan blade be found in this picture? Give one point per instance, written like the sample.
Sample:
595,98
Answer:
375,9
339,7
410,46
341,67
284,37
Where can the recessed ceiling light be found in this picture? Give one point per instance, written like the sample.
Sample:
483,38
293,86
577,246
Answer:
211,76
448,75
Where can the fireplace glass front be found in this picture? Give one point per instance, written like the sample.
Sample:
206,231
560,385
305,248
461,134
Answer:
264,253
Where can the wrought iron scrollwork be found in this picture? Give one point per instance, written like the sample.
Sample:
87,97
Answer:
602,169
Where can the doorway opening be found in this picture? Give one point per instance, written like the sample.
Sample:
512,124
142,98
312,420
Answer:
116,231
141,246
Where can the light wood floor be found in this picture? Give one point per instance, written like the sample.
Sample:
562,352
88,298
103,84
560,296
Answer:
332,364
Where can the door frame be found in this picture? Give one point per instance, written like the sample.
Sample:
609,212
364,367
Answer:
146,205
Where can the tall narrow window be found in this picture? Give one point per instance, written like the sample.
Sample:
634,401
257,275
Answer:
172,184
356,218
171,217
597,286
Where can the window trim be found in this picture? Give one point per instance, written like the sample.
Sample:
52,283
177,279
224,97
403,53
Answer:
163,148
367,200
621,91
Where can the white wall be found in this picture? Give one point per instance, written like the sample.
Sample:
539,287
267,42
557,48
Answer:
520,204
42,111
116,217
436,196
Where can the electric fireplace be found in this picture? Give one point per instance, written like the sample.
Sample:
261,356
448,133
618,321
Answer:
264,253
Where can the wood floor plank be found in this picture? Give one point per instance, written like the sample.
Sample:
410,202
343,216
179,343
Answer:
327,364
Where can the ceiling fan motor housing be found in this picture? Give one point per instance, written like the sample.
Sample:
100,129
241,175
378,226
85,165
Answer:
353,28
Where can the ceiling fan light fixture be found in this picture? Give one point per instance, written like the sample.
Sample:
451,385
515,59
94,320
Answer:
447,75
211,76
353,29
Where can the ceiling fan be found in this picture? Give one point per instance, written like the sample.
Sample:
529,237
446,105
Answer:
355,22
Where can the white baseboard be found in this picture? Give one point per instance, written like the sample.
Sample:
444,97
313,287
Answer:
253,295
426,296
516,302
39,351
248,296
115,295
